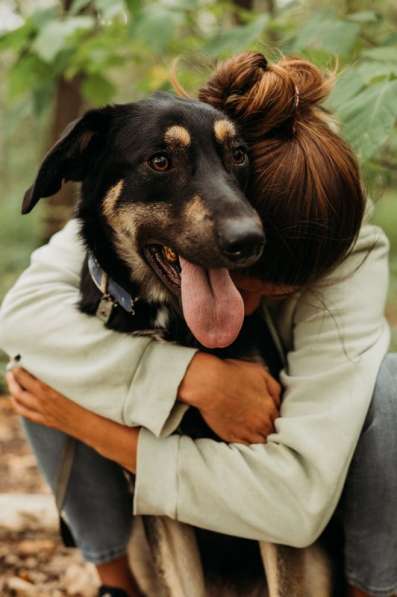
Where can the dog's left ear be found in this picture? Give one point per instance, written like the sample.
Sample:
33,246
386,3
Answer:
69,157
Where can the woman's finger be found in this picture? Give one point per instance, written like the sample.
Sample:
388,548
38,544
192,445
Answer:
274,389
23,397
27,381
13,386
22,411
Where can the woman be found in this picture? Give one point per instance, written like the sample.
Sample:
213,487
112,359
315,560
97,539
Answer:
325,285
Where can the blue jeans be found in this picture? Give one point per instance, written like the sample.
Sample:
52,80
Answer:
369,502
98,503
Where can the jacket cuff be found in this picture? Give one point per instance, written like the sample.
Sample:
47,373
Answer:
156,475
151,398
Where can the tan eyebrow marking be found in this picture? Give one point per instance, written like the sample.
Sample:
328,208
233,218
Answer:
195,211
223,129
111,197
177,134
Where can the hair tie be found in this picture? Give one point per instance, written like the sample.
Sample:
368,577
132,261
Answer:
297,97
296,104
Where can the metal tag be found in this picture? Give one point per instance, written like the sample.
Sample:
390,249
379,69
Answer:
105,308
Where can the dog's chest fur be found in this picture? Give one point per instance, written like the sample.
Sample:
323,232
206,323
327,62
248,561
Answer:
225,558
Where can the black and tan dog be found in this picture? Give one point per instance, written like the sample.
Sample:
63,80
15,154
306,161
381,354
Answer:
164,218
162,184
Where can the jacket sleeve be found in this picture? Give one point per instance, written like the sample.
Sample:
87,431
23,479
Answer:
286,490
128,379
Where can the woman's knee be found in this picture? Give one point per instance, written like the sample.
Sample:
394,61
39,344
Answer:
376,451
368,505
98,501
98,505
383,408
48,446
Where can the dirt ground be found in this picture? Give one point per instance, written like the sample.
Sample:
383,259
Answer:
33,561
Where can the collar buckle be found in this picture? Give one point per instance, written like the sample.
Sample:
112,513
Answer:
113,295
105,308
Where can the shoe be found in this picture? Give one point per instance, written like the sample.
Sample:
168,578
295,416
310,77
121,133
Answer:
106,591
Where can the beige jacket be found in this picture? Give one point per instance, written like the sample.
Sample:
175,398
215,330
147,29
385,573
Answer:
334,335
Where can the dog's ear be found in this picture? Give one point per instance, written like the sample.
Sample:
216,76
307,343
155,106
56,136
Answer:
69,157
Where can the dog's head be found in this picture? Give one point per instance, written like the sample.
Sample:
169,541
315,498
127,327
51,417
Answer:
162,186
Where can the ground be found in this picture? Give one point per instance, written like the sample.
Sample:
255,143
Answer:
32,560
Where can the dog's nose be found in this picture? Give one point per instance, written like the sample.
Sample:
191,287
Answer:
241,240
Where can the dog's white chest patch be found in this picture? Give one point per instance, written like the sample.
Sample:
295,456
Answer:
162,318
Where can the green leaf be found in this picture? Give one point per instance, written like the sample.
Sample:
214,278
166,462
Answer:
98,90
41,17
369,71
27,74
382,54
364,16
156,27
52,38
391,39
236,39
134,7
369,118
187,4
327,33
109,8
17,39
348,84
318,56
98,53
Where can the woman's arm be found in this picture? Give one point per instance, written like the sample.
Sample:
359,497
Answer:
128,379
33,399
286,490
131,380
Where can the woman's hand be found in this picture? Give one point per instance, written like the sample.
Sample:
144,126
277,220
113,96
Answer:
239,400
38,402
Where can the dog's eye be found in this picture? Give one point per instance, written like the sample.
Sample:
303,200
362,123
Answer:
160,162
240,156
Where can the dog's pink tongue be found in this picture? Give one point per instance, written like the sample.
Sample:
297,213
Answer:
212,306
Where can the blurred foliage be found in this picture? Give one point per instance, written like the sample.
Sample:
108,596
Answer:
123,49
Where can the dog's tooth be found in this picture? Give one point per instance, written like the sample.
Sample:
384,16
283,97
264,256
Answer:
169,254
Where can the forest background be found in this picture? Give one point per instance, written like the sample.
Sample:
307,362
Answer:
58,57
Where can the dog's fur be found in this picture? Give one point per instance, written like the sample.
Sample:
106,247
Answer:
127,206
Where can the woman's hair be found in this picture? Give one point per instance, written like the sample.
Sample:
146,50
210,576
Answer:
306,184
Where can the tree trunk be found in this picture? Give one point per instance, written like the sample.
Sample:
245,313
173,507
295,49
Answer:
246,4
271,7
68,106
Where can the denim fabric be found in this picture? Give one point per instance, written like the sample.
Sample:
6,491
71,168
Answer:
369,503
98,505
98,502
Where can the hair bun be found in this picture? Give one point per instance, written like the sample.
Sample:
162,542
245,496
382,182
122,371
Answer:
233,78
247,86
259,60
313,86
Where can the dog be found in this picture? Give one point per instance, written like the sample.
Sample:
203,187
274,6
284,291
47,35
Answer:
164,217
